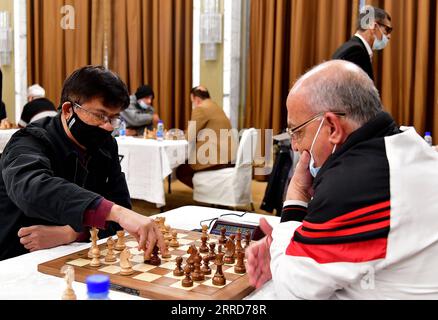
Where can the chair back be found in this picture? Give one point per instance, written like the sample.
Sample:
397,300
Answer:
247,148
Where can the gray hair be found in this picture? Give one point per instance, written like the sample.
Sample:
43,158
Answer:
340,86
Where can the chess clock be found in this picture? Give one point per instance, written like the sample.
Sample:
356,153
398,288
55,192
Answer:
231,227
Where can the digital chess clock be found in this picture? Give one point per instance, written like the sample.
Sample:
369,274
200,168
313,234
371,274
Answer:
232,227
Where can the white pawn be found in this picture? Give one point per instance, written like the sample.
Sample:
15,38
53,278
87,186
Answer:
95,262
110,256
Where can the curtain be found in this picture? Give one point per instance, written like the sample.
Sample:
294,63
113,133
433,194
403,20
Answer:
55,52
146,42
407,70
152,44
288,37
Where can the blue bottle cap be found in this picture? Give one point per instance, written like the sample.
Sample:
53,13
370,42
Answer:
428,134
98,284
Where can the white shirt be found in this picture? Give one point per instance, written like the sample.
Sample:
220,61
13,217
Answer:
367,45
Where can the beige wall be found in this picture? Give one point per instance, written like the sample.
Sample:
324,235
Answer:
212,72
9,71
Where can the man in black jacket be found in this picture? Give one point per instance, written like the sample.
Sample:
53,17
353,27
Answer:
61,176
374,29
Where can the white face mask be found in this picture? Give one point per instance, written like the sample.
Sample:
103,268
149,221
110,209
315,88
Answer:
314,171
144,105
380,44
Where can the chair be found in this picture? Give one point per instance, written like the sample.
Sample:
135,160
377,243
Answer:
231,186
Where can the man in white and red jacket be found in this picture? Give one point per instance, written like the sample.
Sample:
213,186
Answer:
360,218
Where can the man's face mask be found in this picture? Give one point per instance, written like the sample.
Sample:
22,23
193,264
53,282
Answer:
380,44
314,171
91,137
144,105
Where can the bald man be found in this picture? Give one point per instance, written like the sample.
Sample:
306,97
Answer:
360,217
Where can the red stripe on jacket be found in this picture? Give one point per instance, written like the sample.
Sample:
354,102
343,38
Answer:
356,252
332,225
345,232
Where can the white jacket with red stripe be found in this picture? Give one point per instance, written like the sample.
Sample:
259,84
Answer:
371,230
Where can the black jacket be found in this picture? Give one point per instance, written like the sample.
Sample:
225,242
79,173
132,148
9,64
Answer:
45,181
355,51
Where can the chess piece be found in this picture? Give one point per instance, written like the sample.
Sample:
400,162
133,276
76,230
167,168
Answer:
110,256
240,265
197,275
166,254
203,248
167,234
120,245
187,282
69,293
174,242
178,272
161,225
219,278
238,243
155,259
125,264
205,230
93,239
193,252
229,251
223,238
206,268
95,262
247,239
212,253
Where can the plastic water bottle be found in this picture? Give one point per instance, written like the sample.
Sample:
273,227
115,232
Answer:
428,138
98,287
122,129
160,131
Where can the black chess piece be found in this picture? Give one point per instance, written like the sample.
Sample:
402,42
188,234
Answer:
187,282
155,259
178,272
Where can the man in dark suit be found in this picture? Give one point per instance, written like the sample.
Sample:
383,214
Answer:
374,29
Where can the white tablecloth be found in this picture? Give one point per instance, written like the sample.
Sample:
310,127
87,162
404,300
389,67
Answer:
147,163
20,280
5,135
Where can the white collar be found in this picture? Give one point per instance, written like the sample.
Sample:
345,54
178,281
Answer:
367,45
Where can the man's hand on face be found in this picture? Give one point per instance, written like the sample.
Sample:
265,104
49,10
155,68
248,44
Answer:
300,187
45,237
259,257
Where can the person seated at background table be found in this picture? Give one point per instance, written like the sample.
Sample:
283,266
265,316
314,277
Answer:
61,176
38,106
140,115
3,114
208,118
360,217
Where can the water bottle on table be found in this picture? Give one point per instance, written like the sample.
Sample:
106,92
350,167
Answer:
160,131
428,138
122,129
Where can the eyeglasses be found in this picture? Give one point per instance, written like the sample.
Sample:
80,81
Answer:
295,132
388,29
114,121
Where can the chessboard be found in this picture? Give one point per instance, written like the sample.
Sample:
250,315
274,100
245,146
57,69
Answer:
157,282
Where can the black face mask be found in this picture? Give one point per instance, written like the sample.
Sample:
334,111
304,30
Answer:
91,137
